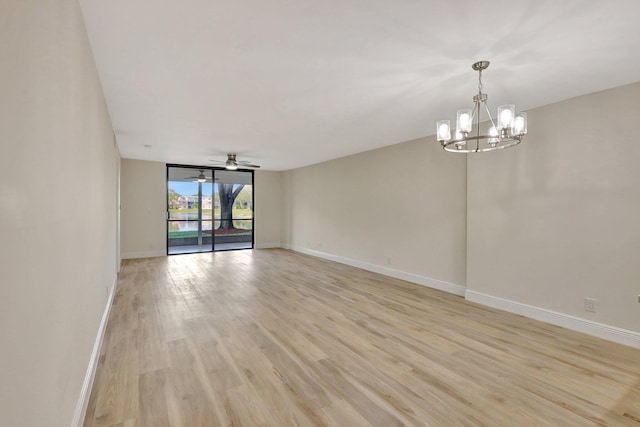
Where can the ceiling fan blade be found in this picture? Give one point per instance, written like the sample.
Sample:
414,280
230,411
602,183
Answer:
248,165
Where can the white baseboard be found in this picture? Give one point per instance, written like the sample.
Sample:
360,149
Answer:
267,245
611,333
85,392
386,271
147,254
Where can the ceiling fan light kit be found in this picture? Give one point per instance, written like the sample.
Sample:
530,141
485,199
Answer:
233,164
506,131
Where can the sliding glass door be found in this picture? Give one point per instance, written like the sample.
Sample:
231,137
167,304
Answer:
208,209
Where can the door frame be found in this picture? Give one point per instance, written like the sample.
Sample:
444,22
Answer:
213,170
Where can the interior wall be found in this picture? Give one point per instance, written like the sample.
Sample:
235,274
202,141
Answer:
144,201
144,209
400,207
118,212
58,192
555,220
285,209
268,208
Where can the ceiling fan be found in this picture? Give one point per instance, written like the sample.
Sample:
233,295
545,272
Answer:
232,164
200,178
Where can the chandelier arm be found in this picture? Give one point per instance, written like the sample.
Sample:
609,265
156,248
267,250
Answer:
486,107
476,114
474,111
478,129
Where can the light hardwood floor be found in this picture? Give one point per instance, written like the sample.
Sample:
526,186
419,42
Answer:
276,338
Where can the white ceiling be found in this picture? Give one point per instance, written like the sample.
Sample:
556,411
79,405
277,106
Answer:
287,83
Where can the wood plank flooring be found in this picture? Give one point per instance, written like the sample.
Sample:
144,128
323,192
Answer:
277,338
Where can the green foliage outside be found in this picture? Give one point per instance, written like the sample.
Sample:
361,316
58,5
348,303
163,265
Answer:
245,196
237,213
194,233
173,195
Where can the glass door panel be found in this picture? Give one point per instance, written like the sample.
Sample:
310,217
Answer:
189,210
233,210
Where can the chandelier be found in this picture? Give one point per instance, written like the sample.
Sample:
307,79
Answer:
506,131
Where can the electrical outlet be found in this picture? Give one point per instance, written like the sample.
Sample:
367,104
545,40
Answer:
638,299
389,261
590,304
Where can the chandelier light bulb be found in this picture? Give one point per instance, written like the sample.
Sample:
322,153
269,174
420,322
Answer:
520,124
493,133
443,129
505,116
465,120
460,140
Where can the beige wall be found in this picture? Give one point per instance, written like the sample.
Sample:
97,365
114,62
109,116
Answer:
144,209
555,220
268,208
58,180
401,207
